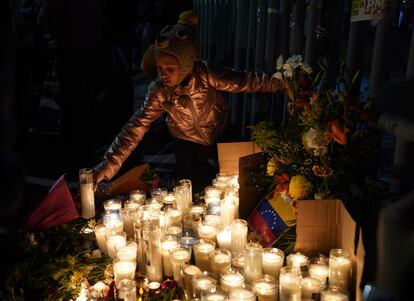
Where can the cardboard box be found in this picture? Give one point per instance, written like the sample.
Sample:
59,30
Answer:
323,225
229,154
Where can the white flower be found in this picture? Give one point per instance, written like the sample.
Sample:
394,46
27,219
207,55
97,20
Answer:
288,70
316,141
306,68
83,295
294,61
279,63
278,75
96,254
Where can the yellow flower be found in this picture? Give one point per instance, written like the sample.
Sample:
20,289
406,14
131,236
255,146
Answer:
299,187
271,167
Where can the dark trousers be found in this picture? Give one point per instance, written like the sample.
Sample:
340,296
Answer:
196,162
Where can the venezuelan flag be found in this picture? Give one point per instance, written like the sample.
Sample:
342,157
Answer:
273,215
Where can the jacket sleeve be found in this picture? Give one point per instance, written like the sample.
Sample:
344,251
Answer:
132,133
229,80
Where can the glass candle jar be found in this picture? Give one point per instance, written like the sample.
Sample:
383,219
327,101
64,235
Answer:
319,268
216,295
238,235
123,269
188,271
244,293
223,237
113,221
127,290
202,282
231,278
333,295
272,261
202,250
252,262
112,205
115,240
220,261
169,242
297,260
311,287
290,283
266,288
178,256
207,231
138,196
340,265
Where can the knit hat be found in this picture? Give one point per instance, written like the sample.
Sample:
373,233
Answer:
179,40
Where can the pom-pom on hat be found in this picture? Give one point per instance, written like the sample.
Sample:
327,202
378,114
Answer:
179,40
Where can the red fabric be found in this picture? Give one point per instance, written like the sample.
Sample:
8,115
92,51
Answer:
57,208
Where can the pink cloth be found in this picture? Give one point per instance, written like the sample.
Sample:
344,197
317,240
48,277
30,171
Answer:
57,208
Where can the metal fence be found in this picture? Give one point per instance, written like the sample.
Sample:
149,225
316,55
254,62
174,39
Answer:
251,34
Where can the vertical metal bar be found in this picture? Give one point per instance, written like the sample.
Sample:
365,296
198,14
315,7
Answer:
310,46
284,28
271,35
410,65
297,27
381,57
355,51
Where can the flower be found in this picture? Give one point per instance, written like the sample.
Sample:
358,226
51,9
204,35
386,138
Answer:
272,167
316,141
299,187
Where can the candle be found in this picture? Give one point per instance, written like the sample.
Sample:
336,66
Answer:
272,260
242,294
181,194
202,249
100,232
340,265
153,257
123,270
186,183
173,230
217,295
231,278
127,252
319,271
86,192
113,221
252,262
310,286
202,282
212,220
220,261
290,284
197,209
112,205
179,256
211,192
168,244
238,235
266,288
297,260
224,237
113,241
127,290
228,211
169,201
238,260
138,196
189,271
158,193
128,217
331,295
206,231
131,205
174,217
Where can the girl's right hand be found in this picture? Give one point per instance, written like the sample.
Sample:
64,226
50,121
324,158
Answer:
98,177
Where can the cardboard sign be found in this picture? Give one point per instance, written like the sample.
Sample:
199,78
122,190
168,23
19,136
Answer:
229,154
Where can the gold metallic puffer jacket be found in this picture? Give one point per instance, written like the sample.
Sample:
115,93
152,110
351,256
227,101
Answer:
197,112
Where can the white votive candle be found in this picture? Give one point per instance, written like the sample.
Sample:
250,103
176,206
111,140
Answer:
297,260
290,283
113,221
178,256
242,294
86,192
100,234
319,271
138,196
123,270
331,295
220,261
227,211
252,262
203,282
168,244
231,278
127,252
266,288
128,217
112,205
211,192
238,235
114,241
206,231
202,250
224,237
340,265
188,271
310,286
272,260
